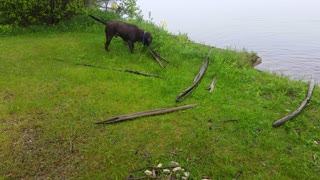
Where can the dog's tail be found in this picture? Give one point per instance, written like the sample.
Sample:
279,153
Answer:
99,20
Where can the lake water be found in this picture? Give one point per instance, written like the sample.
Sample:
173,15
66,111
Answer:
284,33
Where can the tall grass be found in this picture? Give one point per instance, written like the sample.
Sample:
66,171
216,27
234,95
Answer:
48,109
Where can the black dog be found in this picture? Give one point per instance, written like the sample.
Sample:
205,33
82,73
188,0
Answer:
128,32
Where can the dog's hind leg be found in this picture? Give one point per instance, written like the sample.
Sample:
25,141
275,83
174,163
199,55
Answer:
109,38
131,46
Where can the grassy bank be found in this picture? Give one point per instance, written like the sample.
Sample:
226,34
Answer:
48,109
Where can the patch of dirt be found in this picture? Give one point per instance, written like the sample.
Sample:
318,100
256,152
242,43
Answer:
30,154
6,96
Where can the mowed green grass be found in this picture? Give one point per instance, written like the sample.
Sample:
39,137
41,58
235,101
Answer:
48,109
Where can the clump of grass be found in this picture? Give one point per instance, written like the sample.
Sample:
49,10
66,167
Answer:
48,109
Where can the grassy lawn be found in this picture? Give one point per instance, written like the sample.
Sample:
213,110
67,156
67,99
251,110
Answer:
48,109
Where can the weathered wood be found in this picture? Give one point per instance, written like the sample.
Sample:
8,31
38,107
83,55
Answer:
212,85
296,112
144,114
143,74
159,57
196,80
156,58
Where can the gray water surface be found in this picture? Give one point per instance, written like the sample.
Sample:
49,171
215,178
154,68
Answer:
284,33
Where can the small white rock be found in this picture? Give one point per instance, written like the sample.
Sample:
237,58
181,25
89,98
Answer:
176,169
148,173
166,171
174,164
186,174
159,165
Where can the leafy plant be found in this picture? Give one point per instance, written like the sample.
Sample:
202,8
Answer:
30,12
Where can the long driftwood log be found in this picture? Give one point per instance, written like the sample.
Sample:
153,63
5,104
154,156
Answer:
113,69
296,112
196,80
144,114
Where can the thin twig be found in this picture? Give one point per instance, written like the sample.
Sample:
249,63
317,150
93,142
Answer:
296,112
117,138
113,69
144,74
237,175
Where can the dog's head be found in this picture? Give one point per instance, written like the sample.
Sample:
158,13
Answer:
147,39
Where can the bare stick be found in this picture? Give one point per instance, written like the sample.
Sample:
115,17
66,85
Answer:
114,69
296,112
156,58
144,114
212,85
196,80
154,53
143,74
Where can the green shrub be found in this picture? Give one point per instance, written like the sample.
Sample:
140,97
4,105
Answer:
31,12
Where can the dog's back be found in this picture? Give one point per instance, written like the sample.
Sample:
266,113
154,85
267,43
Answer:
125,30
128,32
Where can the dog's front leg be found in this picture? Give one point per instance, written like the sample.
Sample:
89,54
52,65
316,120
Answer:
131,46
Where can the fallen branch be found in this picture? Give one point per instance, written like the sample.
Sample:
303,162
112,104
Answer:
158,57
212,85
296,112
196,80
144,114
113,69
143,74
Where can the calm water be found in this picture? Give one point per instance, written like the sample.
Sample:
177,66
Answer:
284,33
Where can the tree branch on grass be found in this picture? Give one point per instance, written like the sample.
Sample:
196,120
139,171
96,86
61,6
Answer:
296,112
196,80
144,114
113,69
158,57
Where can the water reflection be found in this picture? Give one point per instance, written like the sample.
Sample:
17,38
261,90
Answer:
285,33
